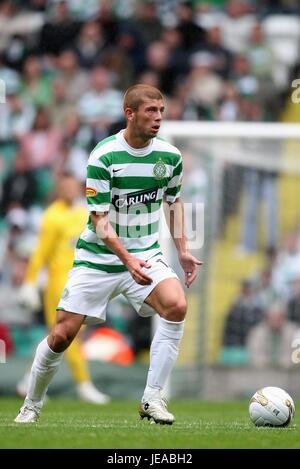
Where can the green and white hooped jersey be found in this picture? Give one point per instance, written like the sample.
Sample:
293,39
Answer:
130,184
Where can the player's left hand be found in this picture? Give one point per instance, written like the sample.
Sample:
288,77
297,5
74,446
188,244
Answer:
189,264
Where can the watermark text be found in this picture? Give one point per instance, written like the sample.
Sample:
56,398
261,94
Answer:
144,220
2,92
295,97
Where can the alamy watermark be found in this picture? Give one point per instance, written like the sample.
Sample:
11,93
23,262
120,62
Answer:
296,352
2,92
142,220
2,351
295,97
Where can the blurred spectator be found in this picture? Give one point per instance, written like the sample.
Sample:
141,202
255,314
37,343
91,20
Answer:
231,190
259,93
40,145
6,339
36,5
7,72
101,106
204,85
178,57
236,25
129,40
260,56
73,160
78,135
209,14
229,106
242,316
17,22
264,289
281,6
269,342
158,60
271,255
17,225
245,82
195,189
37,86
60,108
192,33
148,22
17,115
119,67
174,109
90,45
265,292
7,11
229,109
166,10
19,187
16,51
11,311
194,194
108,19
287,266
293,308
75,80
214,46
60,30
148,77
260,185
83,10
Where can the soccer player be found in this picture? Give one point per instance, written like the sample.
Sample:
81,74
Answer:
62,224
129,175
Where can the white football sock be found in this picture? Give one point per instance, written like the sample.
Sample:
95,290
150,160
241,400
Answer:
44,366
163,353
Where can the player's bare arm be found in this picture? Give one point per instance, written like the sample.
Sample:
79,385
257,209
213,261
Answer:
108,235
174,213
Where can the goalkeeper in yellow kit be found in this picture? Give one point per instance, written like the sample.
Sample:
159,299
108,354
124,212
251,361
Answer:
62,223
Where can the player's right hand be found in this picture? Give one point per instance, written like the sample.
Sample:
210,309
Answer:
29,297
135,265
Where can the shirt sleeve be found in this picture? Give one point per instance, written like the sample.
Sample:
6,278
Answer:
174,185
98,190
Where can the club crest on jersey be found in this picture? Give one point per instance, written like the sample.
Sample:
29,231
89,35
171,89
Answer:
90,192
159,169
125,201
65,293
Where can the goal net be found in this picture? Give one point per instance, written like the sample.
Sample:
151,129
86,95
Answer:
241,190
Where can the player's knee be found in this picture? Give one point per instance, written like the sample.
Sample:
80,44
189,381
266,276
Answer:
60,339
176,311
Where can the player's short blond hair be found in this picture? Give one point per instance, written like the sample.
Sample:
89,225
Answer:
136,94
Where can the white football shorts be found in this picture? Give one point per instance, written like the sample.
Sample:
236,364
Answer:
88,291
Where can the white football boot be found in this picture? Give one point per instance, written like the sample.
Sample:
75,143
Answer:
89,393
156,408
28,413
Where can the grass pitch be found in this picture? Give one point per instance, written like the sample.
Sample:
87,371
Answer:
73,424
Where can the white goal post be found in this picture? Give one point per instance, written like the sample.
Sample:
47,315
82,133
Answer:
230,129
213,147
236,130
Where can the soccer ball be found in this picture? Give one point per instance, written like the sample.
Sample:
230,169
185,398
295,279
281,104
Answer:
271,407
